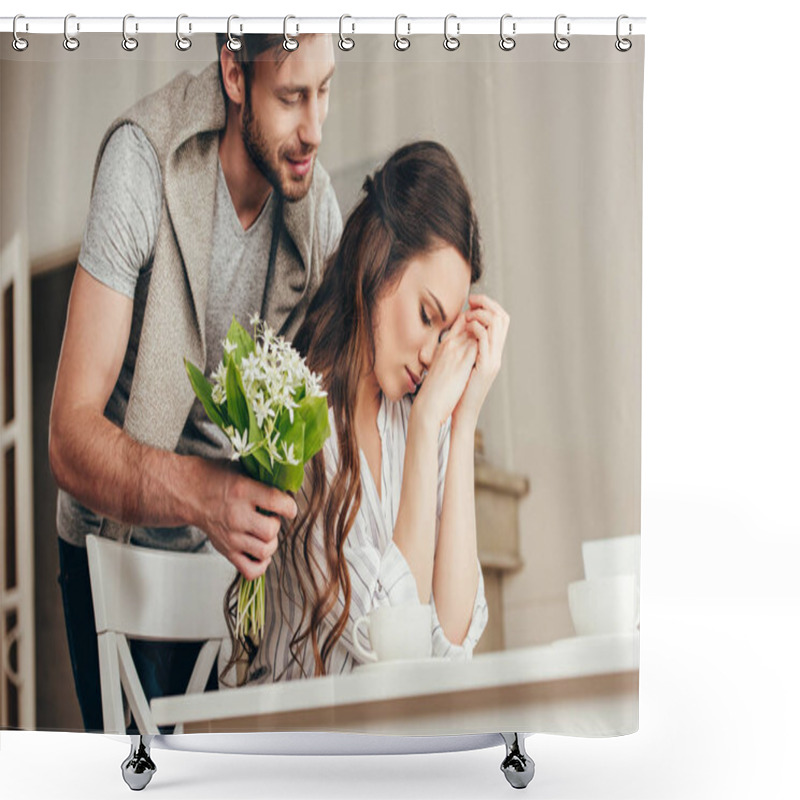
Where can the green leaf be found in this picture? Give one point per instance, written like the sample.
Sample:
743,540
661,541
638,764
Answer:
289,477
254,433
236,401
314,412
242,339
252,466
260,455
286,477
202,388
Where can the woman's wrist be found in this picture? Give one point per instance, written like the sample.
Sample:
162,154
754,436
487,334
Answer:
463,420
423,423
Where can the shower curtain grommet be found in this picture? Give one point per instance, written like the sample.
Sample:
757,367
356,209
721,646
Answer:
18,43
129,43
622,44
290,44
507,42
70,43
182,42
560,43
234,44
401,43
345,42
451,43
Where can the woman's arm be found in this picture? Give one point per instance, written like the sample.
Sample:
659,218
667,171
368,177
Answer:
415,526
455,567
456,571
416,516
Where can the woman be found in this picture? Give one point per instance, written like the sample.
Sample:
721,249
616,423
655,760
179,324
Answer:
386,514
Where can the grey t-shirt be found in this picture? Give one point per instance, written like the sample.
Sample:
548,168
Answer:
118,248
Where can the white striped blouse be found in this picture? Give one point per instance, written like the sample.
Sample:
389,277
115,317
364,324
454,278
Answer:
379,573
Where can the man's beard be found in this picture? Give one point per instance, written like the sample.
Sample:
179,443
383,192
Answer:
290,188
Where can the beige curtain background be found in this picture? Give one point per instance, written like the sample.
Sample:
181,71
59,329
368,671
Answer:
550,144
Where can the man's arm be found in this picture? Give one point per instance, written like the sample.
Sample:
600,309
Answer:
109,472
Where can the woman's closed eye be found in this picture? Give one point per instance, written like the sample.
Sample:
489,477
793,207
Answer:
428,322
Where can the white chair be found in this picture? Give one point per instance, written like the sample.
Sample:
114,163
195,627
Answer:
144,593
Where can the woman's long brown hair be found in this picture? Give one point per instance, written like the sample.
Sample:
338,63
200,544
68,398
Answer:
418,201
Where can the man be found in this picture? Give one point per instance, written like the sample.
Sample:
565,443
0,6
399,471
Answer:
207,202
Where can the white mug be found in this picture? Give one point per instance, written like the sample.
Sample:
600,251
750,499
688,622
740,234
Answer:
601,606
395,632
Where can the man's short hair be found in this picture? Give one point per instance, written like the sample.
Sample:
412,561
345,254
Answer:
253,45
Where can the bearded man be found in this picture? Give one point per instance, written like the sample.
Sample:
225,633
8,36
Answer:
207,202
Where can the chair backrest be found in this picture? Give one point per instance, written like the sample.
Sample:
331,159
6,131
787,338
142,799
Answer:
158,594
144,593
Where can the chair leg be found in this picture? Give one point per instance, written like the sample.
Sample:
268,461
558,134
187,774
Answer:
517,766
138,768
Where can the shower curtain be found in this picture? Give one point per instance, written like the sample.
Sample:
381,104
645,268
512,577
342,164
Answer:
163,206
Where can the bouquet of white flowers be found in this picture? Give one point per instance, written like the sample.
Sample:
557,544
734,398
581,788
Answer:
273,410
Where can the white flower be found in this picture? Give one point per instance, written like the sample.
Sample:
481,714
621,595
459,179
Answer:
251,370
270,444
288,454
220,374
313,385
272,376
218,394
290,405
262,408
239,444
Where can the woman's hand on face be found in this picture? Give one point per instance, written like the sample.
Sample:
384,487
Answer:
487,323
448,373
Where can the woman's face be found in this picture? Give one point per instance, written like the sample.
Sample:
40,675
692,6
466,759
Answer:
412,316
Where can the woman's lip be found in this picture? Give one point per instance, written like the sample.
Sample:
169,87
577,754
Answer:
412,379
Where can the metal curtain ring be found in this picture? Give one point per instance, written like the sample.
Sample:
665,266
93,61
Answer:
623,45
234,43
345,42
401,42
182,42
451,42
18,43
507,42
290,44
129,43
70,42
561,43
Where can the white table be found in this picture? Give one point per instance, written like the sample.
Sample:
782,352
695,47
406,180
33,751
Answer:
584,686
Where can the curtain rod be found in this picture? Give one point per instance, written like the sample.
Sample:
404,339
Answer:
460,26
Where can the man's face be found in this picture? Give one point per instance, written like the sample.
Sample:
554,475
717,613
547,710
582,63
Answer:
284,111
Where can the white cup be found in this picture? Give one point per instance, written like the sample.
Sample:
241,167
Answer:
618,555
604,605
395,632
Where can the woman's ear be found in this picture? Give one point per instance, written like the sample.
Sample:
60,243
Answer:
232,76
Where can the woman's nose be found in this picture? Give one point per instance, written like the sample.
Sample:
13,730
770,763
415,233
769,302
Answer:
428,350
